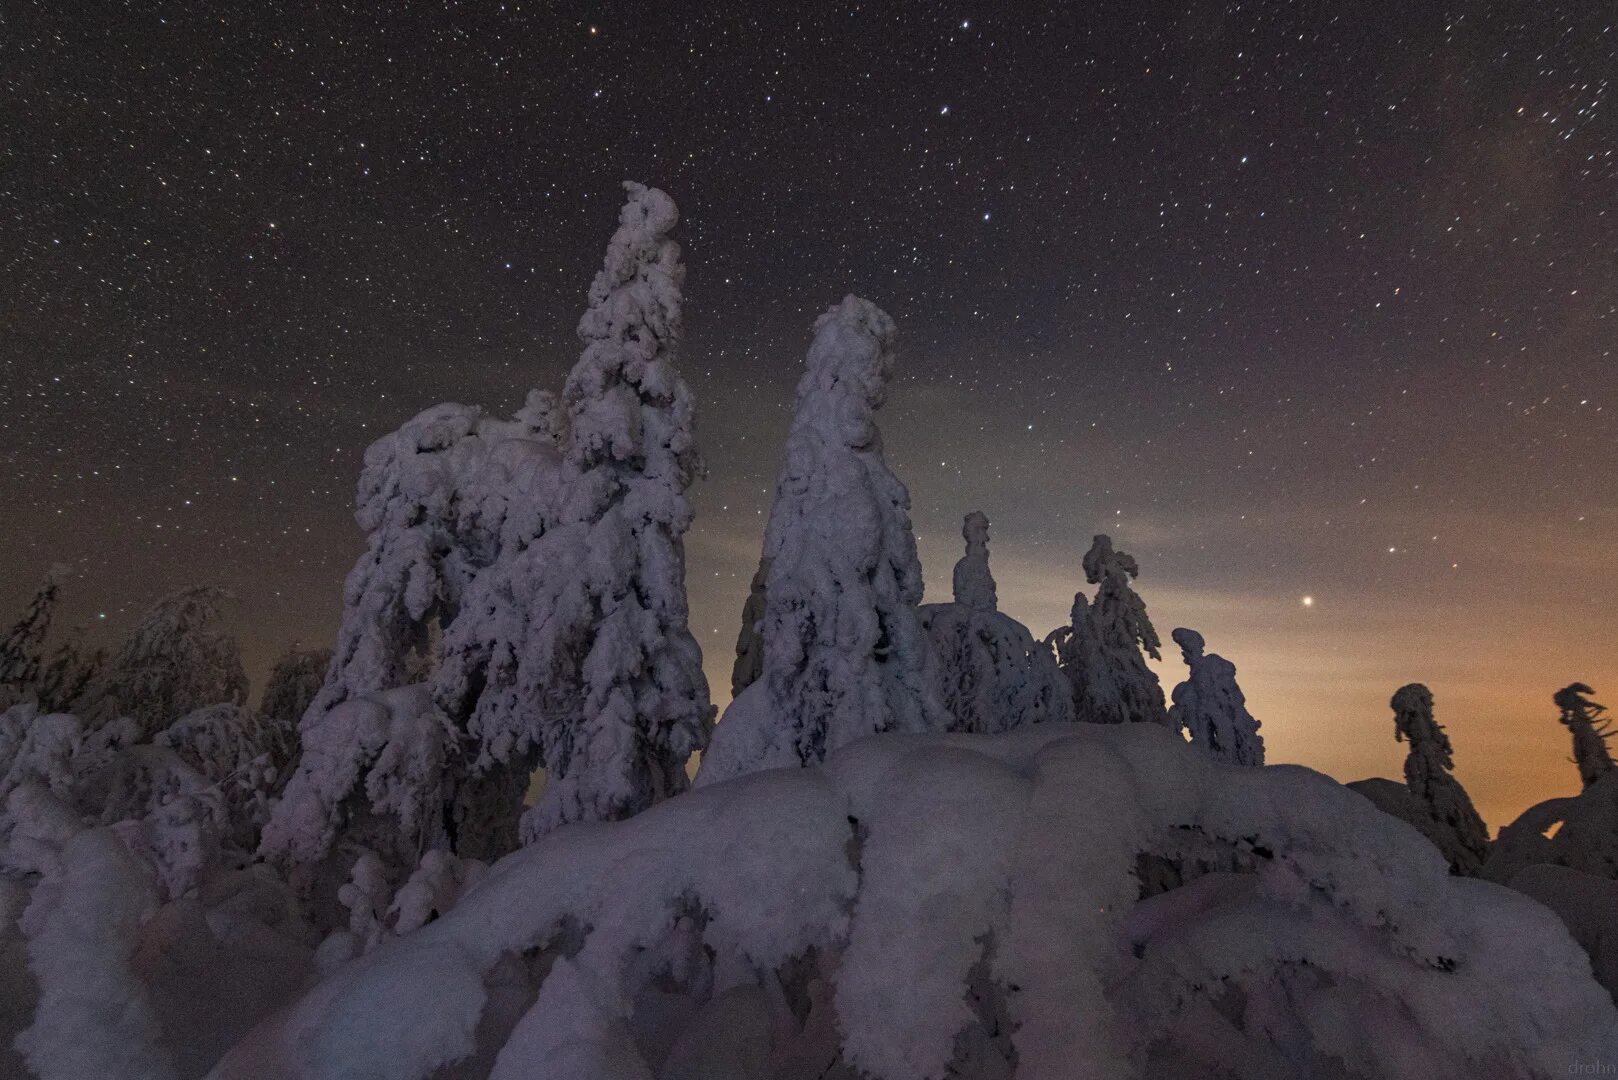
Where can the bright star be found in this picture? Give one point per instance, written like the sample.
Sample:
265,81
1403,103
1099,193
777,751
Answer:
1308,601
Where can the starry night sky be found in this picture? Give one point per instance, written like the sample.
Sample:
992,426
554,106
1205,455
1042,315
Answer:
1296,299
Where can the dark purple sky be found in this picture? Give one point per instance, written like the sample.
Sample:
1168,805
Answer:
1297,299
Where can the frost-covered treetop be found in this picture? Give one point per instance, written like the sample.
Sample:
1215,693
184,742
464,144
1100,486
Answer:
1191,644
630,331
1413,721
1117,605
1582,717
974,584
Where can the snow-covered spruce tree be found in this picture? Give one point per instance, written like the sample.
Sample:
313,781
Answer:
575,654
407,586
992,675
22,650
68,672
1211,708
1079,656
446,502
293,683
1122,631
1429,768
845,654
179,657
750,642
1582,717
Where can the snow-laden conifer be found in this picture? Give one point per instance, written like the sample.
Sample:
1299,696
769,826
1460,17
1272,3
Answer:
1429,774
845,654
1211,708
991,674
1583,718
575,653
179,657
22,650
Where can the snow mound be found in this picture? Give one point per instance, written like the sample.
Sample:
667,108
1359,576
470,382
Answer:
1072,901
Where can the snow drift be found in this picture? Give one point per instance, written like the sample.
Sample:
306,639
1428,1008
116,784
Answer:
1061,901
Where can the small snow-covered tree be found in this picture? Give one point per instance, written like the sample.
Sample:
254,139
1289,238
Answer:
1429,768
1100,650
1583,718
1123,631
22,650
179,657
1080,658
750,642
992,675
845,654
575,652
293,683
68,672
1211,708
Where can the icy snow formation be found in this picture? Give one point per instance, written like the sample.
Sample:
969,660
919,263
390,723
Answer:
1211,708
991,674
1062,901
1580,832
844,650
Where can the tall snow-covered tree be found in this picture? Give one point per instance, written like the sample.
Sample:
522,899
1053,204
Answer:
1429,768
22,650
293,683
992,675
576,653
750,642
845,654
1211,708
179,657
1583,718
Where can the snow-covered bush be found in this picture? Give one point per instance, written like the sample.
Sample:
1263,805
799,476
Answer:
1057,901
179,657
992,675
844,650
1210,708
